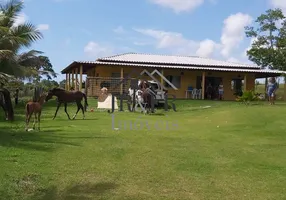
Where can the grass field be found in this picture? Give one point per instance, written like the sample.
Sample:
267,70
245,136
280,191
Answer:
227,151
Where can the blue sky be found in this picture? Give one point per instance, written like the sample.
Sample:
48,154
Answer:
88,29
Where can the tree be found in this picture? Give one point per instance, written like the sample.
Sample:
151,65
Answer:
269,40
13,38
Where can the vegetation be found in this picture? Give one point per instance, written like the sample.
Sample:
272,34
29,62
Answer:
215,153
268,47
14,38
247,97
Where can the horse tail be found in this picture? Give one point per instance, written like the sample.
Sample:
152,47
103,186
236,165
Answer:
85,101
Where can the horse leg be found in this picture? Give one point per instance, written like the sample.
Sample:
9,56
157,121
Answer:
67,111
59,104
78,108
28,117
35,120
81,106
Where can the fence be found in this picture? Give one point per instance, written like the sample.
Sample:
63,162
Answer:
114,85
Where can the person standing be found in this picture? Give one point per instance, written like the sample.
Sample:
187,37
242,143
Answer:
271,89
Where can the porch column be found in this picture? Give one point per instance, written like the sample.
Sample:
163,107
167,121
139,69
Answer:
162,80
203,84
76,78
121,78
66,85
69,81
80,78
245,82
73,79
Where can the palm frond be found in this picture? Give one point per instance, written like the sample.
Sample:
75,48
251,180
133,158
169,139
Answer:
6,54
27,32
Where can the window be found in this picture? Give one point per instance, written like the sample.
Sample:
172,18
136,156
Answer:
175,80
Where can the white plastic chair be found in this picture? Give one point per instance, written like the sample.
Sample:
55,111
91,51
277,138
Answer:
194,93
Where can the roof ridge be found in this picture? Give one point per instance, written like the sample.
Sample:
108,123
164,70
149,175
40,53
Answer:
120,54
184,56
156,54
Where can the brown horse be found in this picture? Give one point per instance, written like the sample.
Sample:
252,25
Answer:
6,104
65,97
36,109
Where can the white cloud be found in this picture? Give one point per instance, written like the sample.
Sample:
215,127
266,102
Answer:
232,59
93,49
43,27
179,5
206,48
176,43
233,32
21,19
119,30
279,4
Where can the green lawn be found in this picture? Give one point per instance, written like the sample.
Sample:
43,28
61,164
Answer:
227,151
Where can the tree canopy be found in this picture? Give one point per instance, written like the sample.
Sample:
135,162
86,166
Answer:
16,37
268,37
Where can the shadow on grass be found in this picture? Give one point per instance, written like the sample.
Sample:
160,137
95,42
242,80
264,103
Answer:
76,192
35,140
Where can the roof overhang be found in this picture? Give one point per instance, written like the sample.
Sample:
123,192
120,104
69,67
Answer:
86,65
259,73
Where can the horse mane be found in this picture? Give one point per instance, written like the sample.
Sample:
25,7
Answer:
58,89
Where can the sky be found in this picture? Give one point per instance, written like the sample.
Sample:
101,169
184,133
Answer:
89,29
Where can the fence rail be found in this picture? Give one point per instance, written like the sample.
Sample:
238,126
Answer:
114,85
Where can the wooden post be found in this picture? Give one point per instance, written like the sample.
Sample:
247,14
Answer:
245,82
66,85
203,85
80,78
73,79
76,78
121,78
69,81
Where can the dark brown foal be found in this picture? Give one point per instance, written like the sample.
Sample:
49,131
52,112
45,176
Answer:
36,109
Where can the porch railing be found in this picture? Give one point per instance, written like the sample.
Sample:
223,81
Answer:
114,85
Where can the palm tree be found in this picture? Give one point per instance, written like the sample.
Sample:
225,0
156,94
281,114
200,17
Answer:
13,38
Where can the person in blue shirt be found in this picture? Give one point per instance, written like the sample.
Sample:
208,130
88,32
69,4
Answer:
271,89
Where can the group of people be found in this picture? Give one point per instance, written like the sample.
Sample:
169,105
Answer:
215,92
272,87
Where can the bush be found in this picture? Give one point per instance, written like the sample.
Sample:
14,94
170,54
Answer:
247,97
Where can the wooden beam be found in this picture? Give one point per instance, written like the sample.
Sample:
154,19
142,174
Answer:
121,77
76,78
69,81
80,78
73,79
203,84
66,85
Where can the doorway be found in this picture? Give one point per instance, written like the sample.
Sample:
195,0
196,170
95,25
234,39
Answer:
212,91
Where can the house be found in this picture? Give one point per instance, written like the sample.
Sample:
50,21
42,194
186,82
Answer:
184,72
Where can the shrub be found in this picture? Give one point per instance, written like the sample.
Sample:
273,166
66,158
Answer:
247,97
